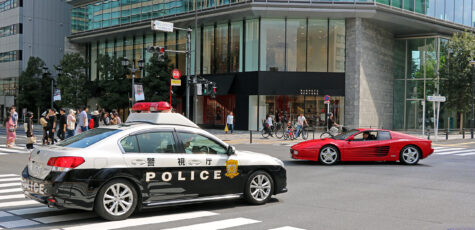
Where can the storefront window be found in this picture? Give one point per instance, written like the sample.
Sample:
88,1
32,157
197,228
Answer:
415,48
171,44
296,44
336,52
195,51
252,44
208,49
221,48
93,61
398,104
138,48
236,47
214,111
110,48
129,46
317,47
272,45
119,47
181,58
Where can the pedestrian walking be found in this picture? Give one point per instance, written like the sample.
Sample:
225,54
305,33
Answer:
113,120
301,120
62,124
230,122
96,118
30,136
14,116
44,125
11,133
51,125
83,120
106,118
70,123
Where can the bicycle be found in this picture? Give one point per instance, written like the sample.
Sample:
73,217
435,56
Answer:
289,134
279,130
303,131
333,132
266,131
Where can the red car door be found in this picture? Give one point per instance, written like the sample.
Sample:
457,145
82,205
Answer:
369,148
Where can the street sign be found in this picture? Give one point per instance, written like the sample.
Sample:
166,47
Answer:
57,95
139,94
176,74
326,99
436,98
176,82
162,26
326,102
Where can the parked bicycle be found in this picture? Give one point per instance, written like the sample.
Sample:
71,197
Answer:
267,130
279,130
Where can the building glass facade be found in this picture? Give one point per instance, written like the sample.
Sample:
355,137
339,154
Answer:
107,13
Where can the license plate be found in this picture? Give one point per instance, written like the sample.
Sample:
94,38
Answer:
33,186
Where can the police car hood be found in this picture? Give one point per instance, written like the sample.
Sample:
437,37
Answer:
253,158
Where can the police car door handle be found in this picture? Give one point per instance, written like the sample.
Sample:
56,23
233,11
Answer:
194,162
138,162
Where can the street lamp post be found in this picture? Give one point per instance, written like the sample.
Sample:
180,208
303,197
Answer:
472,122
133,70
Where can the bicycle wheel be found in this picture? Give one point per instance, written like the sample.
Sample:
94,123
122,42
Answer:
305,133
279,133
326,135
293,135
286,136
264,133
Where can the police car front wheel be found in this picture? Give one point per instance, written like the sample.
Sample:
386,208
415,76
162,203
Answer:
116,200
259,188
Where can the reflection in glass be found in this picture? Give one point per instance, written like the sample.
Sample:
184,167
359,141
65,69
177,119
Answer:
272,45
396,3
449,10
467,12
221,48
296,44
430,8
171,44
336,58
415,48
409,5
208,48
181,58
236,47
440,9
458,17
398,104
419,6
317,45
252,44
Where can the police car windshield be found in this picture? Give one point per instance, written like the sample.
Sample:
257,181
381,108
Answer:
343,136
88,138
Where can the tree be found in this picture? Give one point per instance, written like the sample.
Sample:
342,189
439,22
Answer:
156,83
73,82
114,88
455,72
34,86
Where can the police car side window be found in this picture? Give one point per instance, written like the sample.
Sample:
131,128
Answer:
129,144
156,142
196,144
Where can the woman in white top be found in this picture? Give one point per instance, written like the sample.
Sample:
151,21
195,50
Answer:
70,124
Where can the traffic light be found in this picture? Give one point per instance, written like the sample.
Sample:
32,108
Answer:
156,49
205,89
213,92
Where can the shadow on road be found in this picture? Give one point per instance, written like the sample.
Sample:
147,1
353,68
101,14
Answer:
351,163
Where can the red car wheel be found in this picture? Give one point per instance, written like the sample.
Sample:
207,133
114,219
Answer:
410,155
329,155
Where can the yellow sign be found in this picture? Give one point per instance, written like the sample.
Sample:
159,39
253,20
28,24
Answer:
231,168
176,82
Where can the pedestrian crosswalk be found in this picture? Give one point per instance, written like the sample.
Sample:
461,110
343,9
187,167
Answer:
13,150
453,151
18,212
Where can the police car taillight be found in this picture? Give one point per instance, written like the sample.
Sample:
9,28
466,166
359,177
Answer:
61,164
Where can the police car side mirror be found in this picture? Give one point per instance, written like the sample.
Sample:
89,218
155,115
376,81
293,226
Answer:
231,150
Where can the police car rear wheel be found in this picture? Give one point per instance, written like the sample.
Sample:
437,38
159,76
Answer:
116,200
259,188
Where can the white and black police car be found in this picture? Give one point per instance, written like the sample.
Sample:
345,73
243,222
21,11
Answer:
154,159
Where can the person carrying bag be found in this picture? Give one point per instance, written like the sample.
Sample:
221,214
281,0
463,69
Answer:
30,136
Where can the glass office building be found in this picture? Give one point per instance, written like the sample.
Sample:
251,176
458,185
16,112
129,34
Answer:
377,63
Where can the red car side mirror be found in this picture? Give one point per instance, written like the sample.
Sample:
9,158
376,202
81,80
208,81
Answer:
350,138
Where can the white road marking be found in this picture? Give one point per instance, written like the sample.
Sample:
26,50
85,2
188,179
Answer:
132,222
18,203
287,228
67,217
18,223
11,190
10,179
466,154
215,225
452,151
9,185
25,211
8,175
15,196
3,214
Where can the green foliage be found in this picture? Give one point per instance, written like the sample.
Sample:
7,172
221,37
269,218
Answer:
456,72
73,82
113,88
156,83
34,86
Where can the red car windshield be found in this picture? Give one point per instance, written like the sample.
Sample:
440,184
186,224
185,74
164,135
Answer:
343,136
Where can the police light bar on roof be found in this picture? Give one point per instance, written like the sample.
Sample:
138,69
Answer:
151,106
161,119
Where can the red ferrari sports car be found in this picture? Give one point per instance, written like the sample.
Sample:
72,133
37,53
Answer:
364,145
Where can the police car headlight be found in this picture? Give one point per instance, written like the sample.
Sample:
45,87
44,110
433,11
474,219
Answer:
279,162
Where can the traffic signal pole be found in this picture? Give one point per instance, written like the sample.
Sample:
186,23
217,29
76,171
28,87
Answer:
188,71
